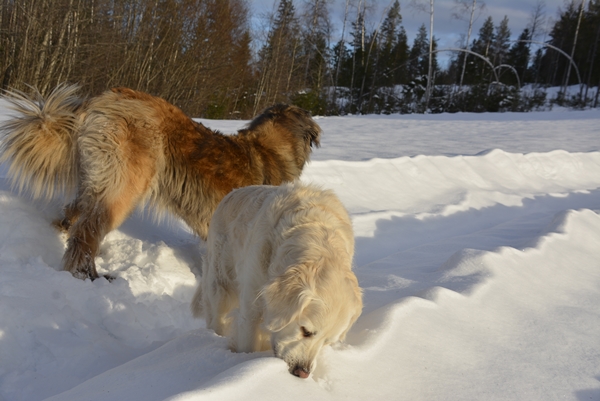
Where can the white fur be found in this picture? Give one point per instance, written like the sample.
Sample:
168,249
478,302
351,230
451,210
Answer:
277,273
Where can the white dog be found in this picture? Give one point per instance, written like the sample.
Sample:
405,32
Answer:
282,257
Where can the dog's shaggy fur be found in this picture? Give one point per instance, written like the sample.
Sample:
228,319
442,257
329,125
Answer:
277,273
124,148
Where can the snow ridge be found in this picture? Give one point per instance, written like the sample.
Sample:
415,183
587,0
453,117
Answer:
480,277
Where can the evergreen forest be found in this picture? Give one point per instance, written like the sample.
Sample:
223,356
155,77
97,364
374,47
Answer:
212,59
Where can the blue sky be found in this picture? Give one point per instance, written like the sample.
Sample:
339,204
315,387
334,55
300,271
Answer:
447,29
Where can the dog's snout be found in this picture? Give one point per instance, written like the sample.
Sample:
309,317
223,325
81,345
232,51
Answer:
302,373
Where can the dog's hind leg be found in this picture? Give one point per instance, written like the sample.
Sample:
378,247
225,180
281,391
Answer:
96,218
218,316
72,213
218,301
84,240
118,165
217,287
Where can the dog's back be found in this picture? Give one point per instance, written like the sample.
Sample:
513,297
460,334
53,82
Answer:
282,211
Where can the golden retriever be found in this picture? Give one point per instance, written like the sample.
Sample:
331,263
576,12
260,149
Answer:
125,148
277,273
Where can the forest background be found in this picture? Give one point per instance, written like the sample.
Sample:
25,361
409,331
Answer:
207,58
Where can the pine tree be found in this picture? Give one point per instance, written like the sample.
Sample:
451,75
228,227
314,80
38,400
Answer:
360,62
536,65
588,46
358,49
554,64
419,55
388,44
464,8
477,69
279,58
500,44
342,60
400,52
592,33
315,46
518,56
418,52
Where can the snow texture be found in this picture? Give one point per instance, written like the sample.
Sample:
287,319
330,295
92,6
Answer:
477,246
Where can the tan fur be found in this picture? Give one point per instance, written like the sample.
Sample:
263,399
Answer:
124,148
278,266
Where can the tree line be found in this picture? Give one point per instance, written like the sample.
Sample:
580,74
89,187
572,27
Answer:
206,57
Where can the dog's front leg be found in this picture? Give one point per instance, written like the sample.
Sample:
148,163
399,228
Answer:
247,325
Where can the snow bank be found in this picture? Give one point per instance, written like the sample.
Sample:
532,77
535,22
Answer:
480,275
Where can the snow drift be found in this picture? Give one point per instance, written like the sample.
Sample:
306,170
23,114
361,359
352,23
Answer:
480,271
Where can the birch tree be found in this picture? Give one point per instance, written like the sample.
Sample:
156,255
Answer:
581,7
279,57
419,5
471,8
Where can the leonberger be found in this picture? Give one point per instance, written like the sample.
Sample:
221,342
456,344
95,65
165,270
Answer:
126,148
278,273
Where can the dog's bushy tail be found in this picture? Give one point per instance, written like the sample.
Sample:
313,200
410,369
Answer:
39,140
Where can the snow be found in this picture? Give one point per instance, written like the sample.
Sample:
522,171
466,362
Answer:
477,246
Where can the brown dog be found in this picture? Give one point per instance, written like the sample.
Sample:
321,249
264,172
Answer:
124,148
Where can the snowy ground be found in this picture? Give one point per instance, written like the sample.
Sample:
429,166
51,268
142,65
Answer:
478,248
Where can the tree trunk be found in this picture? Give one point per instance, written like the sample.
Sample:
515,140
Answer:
464,66
566,83
429,70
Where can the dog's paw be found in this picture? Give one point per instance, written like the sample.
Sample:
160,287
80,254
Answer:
84,271
83,275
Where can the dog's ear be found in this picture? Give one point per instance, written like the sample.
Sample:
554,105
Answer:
354,302
300,123
286,297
